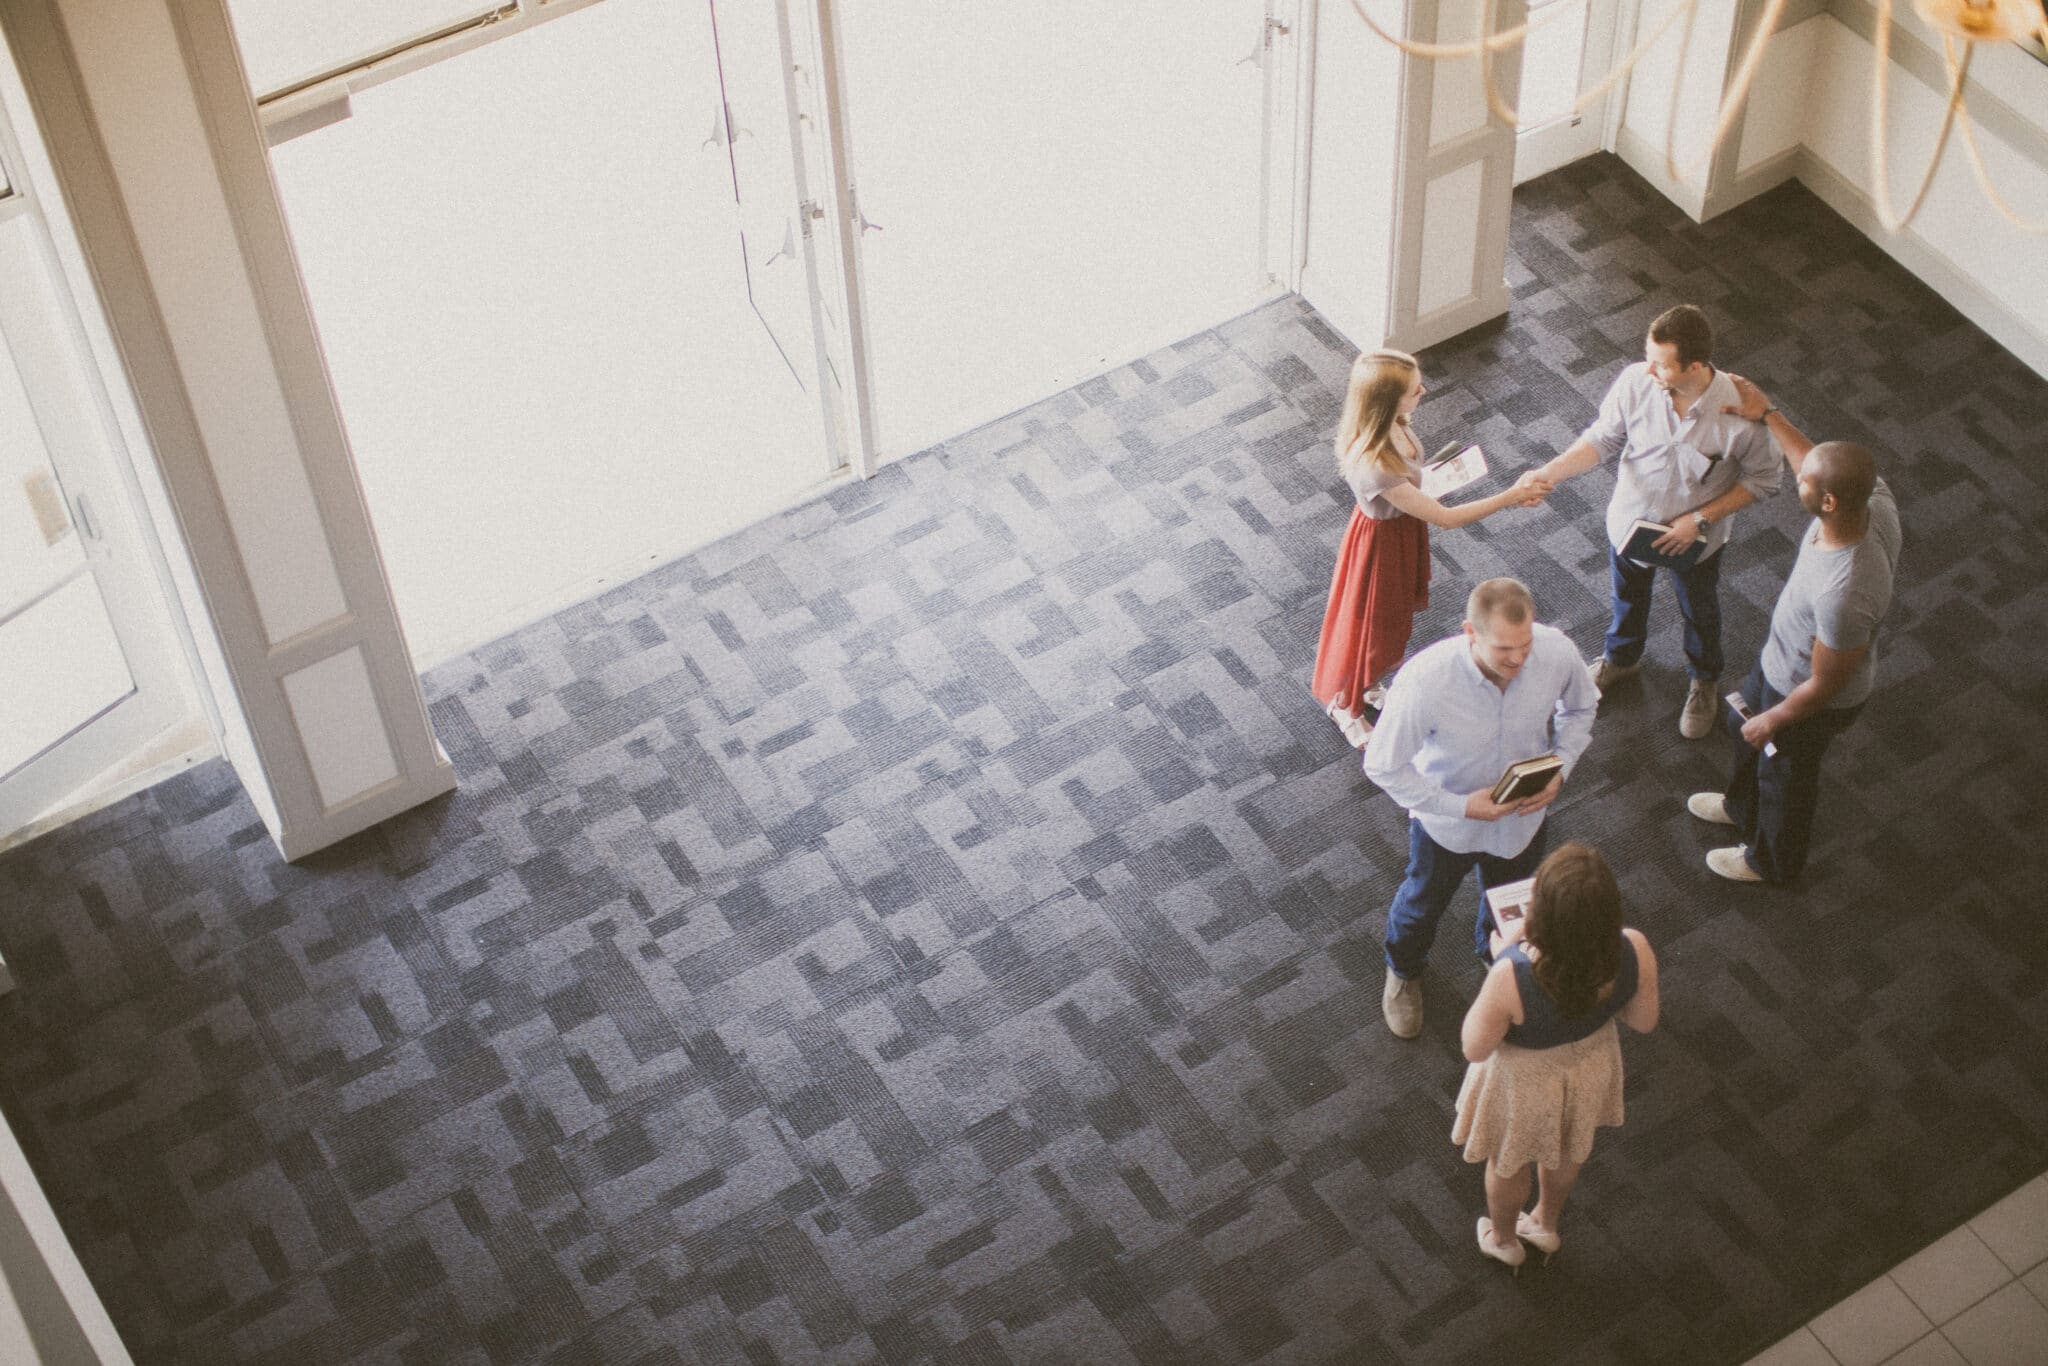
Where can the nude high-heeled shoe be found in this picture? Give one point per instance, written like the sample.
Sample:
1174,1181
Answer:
1544,1240
1512,1255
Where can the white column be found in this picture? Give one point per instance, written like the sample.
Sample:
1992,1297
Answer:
1410,177
156,144
1457,180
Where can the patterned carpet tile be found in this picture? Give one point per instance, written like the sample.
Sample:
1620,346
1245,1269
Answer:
936,924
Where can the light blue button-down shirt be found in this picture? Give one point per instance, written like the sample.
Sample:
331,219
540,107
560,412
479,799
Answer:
1669,464
1447,732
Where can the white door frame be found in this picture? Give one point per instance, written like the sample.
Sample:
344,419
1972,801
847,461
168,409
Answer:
46,337
843,330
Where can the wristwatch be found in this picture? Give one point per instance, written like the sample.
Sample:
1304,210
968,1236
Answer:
1701,521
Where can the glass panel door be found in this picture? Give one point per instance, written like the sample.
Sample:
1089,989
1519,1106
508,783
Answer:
525,263
1047,190
755,127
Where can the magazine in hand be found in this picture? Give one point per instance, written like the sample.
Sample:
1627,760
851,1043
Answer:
1739,704
1510,901
1639,544
1451,469
1525,778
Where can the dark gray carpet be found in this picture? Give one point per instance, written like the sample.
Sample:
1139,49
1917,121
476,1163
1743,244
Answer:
937,924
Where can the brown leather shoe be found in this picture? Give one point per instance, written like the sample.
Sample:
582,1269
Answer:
1401,1003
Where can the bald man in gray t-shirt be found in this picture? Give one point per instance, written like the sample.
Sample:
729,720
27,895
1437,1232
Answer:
1836,595
1817,665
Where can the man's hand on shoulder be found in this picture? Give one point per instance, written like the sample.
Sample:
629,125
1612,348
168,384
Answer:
1753,402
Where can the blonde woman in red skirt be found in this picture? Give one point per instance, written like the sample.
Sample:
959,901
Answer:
1382,577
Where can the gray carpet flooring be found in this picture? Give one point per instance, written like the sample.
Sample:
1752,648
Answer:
937,924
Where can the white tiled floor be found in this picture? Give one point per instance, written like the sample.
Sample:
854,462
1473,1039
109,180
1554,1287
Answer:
1978,1297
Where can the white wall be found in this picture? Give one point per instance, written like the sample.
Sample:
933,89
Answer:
1354,151
1991,270
1650,115
1809,115
1776,120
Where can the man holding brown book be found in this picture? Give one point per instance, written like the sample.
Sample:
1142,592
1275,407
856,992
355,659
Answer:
1458,715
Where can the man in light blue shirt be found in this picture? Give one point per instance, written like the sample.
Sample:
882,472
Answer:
1459,712
1682,460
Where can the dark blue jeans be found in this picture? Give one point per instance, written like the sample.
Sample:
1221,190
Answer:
1434,876
1699,604
1773,798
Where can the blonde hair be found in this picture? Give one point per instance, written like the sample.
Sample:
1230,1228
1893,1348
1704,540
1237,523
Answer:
1505,600
1372,407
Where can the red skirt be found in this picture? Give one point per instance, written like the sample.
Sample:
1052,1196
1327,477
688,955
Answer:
1382,581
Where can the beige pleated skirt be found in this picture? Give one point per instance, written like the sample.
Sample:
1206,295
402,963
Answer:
1540,1105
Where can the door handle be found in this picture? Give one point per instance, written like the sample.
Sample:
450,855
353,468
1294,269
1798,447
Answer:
1257,56
723,134
859,217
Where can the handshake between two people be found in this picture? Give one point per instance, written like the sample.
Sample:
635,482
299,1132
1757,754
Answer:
1533,487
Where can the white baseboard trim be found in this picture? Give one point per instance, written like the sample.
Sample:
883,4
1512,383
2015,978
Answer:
1647,161
1973,300
1453,319
1767,174
358,814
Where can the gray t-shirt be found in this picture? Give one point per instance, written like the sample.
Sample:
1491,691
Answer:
1838,595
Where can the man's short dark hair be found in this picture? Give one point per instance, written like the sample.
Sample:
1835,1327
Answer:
1846,470
1505,600
1686,329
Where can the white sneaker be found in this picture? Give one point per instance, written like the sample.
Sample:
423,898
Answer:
1733,864
1711,807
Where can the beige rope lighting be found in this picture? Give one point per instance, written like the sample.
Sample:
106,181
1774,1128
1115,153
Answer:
1964,22
1880,148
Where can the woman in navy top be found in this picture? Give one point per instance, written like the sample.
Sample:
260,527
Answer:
1545,1056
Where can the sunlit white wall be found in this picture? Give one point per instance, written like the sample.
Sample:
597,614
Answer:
1958,242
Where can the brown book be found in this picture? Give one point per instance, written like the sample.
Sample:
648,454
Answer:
1526,778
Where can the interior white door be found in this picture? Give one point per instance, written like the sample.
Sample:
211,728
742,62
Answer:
86,669
1568,52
